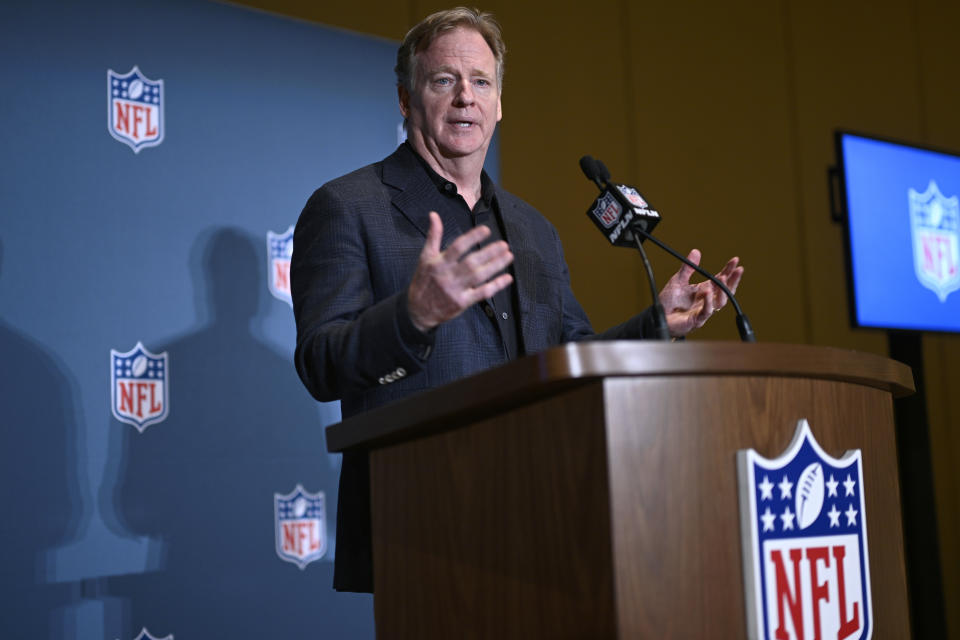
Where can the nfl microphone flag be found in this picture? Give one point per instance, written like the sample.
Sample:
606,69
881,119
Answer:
607,213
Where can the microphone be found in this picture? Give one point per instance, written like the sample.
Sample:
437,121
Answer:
618,208
617,211
640,220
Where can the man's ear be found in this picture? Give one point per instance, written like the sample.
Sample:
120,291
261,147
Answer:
404,98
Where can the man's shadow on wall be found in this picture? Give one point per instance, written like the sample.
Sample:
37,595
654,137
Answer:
39,488
241,428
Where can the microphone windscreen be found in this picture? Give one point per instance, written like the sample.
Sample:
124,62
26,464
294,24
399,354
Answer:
589,167
602,171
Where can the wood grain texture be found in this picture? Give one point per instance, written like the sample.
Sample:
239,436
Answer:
672,445
499,529
550,371
610,510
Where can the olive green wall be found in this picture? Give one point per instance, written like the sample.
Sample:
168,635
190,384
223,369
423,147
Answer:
723,114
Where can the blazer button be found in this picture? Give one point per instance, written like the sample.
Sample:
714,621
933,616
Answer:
401,372
382,380
487,309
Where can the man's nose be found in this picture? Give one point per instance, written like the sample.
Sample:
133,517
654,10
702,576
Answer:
464,94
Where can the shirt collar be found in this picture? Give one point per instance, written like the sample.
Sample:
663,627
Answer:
447,188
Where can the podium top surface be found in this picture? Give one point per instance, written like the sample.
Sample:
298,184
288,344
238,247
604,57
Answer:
569,365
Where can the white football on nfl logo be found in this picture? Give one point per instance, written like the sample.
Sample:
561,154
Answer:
809,495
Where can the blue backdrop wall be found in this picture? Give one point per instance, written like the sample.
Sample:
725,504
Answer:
145,493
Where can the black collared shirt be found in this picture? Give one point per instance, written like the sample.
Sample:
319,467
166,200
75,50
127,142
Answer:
501,309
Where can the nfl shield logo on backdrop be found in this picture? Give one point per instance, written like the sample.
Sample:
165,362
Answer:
145,635
279,252
301,526
935,226
139,386
135,109
803,524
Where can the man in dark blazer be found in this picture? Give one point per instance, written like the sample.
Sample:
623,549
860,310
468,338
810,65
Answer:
417,270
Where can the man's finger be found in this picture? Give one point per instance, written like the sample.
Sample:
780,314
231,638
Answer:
734,280
480,257
489,289
708,307
729,267
466,242
494,264
434,235
686,271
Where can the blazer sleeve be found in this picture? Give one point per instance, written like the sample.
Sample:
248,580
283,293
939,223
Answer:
347,340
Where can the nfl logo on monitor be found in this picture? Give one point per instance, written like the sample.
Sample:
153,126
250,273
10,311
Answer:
301,526
135,109
279,252
139,386
804,531
935,226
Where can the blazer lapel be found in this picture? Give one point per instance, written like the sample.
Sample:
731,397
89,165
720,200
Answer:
519,237
415,190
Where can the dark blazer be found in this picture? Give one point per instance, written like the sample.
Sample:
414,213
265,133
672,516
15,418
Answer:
355,248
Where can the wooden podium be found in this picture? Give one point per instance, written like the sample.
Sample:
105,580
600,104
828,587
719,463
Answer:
590,491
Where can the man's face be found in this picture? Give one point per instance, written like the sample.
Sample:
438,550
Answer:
455,105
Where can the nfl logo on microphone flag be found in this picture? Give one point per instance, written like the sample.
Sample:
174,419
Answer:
804,531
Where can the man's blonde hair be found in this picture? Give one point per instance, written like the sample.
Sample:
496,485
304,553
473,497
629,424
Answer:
420,37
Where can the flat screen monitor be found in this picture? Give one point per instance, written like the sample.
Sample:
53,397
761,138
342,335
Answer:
902,214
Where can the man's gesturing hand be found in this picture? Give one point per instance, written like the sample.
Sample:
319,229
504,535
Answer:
688,306
447,282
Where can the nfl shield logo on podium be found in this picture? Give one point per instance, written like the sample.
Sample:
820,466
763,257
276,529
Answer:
803,524
139,386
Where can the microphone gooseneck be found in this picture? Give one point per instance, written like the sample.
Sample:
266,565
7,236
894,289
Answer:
637,228
597,172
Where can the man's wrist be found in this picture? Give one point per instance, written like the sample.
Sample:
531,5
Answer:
419,341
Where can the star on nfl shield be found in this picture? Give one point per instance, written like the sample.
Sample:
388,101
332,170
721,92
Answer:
145,635
301,526
279,252
135,109
139,386
804,531
935,227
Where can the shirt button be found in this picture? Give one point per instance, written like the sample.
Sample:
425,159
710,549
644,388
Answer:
449,188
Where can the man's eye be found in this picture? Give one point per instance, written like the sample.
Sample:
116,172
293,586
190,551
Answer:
481,82
442,82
